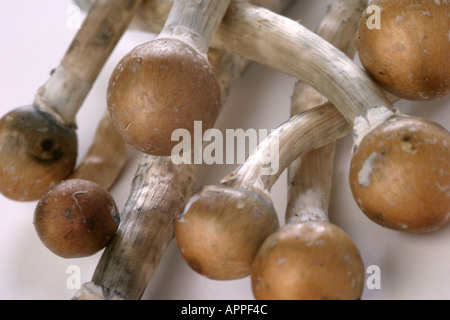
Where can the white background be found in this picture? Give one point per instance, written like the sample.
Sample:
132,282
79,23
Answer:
34,36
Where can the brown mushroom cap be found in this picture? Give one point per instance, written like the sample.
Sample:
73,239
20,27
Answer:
221,229
76,218
409,55
308,261
35,153
159,87
400,174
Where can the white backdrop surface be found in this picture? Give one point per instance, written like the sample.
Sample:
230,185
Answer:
34,36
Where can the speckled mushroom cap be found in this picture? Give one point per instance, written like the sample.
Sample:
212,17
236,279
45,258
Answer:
400,174
410,54
35,153
76,218
308,261
221,229
159,87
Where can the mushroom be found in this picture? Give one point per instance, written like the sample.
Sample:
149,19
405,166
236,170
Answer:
222,226
76,218
310,258
399,175
408,55
167,83
39,142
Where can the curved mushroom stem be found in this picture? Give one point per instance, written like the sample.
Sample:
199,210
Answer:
302,54
310,177
302,133
66,89
245,194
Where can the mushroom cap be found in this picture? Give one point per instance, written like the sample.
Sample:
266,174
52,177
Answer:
36,153
409,55
221,229
76,218
308,261
159,87
400,174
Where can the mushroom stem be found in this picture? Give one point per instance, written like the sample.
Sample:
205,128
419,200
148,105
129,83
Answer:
301,53
68,85
310,177
302,133
159,191
194,22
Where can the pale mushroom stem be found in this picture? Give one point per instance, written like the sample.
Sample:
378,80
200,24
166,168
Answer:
302,133
159,189
194,22
302,54
68,85
310,177
307,131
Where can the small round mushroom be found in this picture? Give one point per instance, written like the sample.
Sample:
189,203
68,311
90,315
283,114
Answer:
400,174
409,54
221,229
159,87
313,260
76,218
167,84
36,152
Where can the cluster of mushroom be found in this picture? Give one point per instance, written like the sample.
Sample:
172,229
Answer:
399,172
